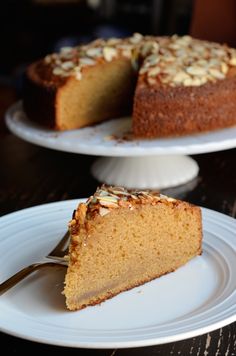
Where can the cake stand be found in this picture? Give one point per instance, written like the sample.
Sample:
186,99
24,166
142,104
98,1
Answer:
156,164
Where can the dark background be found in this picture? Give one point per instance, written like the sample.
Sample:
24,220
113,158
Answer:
32,175
31,29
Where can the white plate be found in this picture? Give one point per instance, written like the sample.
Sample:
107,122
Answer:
196,299
93,140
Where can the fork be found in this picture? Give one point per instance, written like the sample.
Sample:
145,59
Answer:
57,255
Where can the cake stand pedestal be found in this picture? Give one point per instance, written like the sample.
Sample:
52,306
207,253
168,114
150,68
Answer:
154,172
156,164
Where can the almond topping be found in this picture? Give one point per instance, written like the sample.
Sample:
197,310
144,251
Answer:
232,61
154,71
109,53
103,211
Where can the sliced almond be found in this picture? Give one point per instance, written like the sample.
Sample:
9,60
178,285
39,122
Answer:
67,65
187,82
224,68
127,53
153,59
109,53
143,70
78,74
108,204
66,49
58,62
87,61
107,198
216,73
136,38
113,41
149,47
103,211
172,200
48,59
196,82
58,71
180,77
94,52
154,71
196,70
232,61
169,59
151,81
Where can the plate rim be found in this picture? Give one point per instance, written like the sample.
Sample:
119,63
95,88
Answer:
116,344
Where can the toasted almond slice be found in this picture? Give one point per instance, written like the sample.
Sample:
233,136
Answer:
94,52
66,49
103,211
180,77
109,53
216,73
109,204
107,198
67,65
224,68
78,75
154,71
136,38
87,61
196,70
58,71
232,61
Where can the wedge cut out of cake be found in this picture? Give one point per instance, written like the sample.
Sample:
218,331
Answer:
122,238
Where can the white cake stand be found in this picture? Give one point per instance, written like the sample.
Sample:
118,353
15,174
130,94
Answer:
158,163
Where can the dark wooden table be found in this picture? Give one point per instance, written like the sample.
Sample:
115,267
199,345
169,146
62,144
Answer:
32,175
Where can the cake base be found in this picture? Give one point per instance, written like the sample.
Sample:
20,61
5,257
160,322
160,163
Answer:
153,172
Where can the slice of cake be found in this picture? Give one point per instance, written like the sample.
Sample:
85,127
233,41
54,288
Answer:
121,239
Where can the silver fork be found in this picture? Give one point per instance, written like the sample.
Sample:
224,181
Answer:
56,255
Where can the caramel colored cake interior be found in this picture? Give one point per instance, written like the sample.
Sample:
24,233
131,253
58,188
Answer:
121,239
112,83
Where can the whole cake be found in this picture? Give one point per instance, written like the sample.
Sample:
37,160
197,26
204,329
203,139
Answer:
172,85
121,239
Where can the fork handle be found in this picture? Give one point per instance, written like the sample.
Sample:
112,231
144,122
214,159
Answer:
17,277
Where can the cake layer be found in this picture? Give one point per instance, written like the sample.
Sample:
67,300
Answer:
184,85
122,239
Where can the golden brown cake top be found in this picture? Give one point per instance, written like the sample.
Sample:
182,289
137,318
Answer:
170,61
107,198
